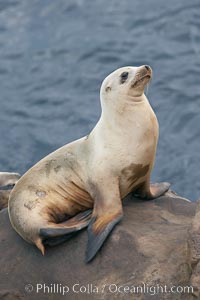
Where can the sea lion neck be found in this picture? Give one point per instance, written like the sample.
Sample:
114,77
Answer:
123,115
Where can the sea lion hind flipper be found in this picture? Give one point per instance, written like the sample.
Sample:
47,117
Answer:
68,227
58,239
98,231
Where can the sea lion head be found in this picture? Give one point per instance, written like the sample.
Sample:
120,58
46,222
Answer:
126,84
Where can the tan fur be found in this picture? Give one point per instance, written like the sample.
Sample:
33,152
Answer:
4,196
101,222
114,159
6,179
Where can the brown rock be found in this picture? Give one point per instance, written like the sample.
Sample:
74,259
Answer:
149,246
194,247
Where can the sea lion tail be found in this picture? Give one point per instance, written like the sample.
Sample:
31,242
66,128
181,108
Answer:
40,246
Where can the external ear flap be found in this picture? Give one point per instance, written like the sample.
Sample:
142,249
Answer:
8,178
108,89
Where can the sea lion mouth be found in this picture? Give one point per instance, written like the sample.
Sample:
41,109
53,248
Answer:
140,80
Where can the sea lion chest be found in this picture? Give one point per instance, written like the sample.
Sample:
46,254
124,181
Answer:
129,150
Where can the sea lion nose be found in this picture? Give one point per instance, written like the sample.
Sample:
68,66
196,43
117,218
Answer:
147,67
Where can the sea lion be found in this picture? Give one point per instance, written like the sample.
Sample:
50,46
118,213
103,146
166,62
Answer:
6,181
83,183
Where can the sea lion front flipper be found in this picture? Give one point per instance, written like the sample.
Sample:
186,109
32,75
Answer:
158,189
152,191
68,227
106,214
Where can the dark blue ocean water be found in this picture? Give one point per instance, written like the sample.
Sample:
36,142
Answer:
55,54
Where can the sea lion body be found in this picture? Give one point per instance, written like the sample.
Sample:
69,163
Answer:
55,197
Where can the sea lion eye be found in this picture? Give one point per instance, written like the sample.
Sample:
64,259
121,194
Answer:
124,77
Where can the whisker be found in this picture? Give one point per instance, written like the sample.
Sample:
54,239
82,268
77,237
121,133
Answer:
147,86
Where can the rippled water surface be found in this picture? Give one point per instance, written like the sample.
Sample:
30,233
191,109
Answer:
55,54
